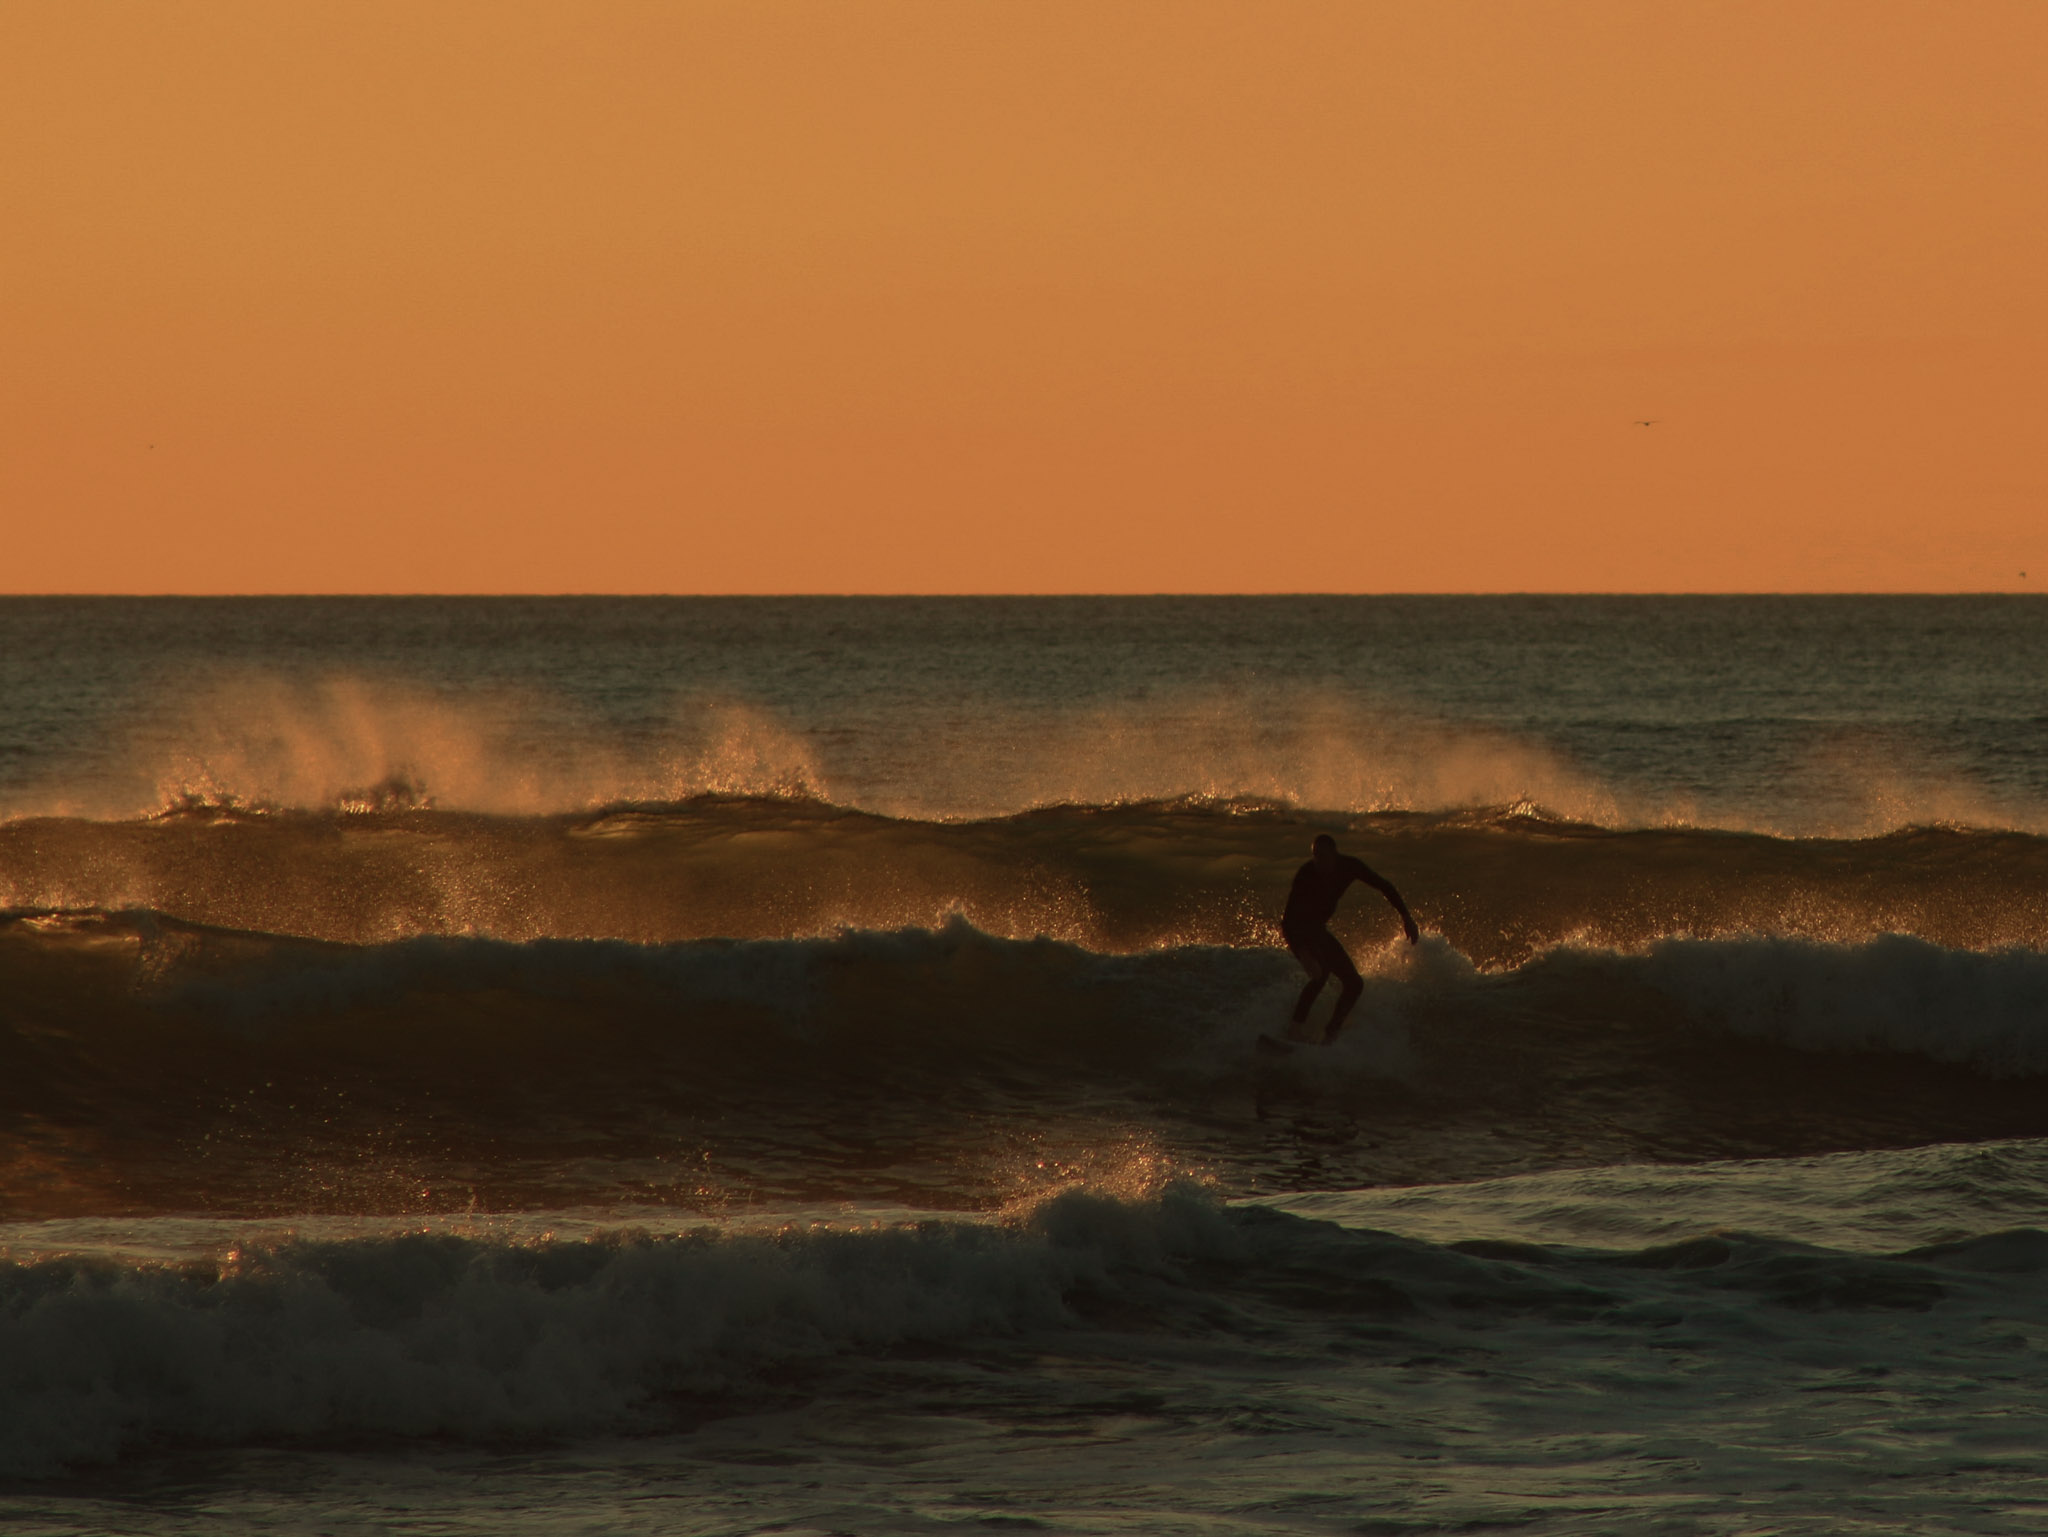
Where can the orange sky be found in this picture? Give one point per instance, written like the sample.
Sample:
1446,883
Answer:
981,296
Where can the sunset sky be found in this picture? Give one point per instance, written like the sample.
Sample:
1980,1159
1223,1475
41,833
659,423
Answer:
980,296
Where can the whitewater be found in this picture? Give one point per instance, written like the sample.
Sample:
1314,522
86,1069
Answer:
740,1065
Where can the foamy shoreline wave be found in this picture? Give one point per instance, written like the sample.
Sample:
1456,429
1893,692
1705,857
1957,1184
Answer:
486,1340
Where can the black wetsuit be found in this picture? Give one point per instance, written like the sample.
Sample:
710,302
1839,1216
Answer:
1312,903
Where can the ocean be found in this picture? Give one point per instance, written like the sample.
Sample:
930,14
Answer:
749,1065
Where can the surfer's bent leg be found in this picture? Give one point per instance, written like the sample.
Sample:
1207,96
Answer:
1316,978
1304,949
1349,986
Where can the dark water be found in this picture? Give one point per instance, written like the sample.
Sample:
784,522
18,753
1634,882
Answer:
720,1065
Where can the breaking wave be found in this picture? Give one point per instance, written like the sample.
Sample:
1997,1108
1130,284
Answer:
437,1333
154,1065
1502,885
904,999
256,742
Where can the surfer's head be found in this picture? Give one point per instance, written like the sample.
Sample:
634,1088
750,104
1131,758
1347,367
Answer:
1324,850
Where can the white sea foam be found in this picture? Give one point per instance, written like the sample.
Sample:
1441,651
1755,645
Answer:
440,1334
1874,1201
468,1337
1894,993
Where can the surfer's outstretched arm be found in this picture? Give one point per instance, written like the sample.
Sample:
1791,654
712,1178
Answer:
1385,888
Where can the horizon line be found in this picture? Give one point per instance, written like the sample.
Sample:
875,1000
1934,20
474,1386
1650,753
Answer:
443,596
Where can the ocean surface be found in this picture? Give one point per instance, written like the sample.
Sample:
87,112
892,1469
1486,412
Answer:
745,1065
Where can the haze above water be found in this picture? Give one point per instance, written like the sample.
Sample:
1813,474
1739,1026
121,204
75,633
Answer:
1838,716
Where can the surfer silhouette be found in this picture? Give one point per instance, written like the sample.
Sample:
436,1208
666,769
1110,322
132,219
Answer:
1311,902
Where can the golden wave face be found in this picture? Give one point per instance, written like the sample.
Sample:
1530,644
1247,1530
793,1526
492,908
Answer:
1501,885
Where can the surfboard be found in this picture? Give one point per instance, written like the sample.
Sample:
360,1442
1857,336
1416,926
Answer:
1273,1046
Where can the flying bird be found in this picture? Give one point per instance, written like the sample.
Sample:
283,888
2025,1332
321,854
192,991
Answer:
1651,422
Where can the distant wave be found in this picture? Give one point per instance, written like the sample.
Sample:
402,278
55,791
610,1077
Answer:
258,742
1502,883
